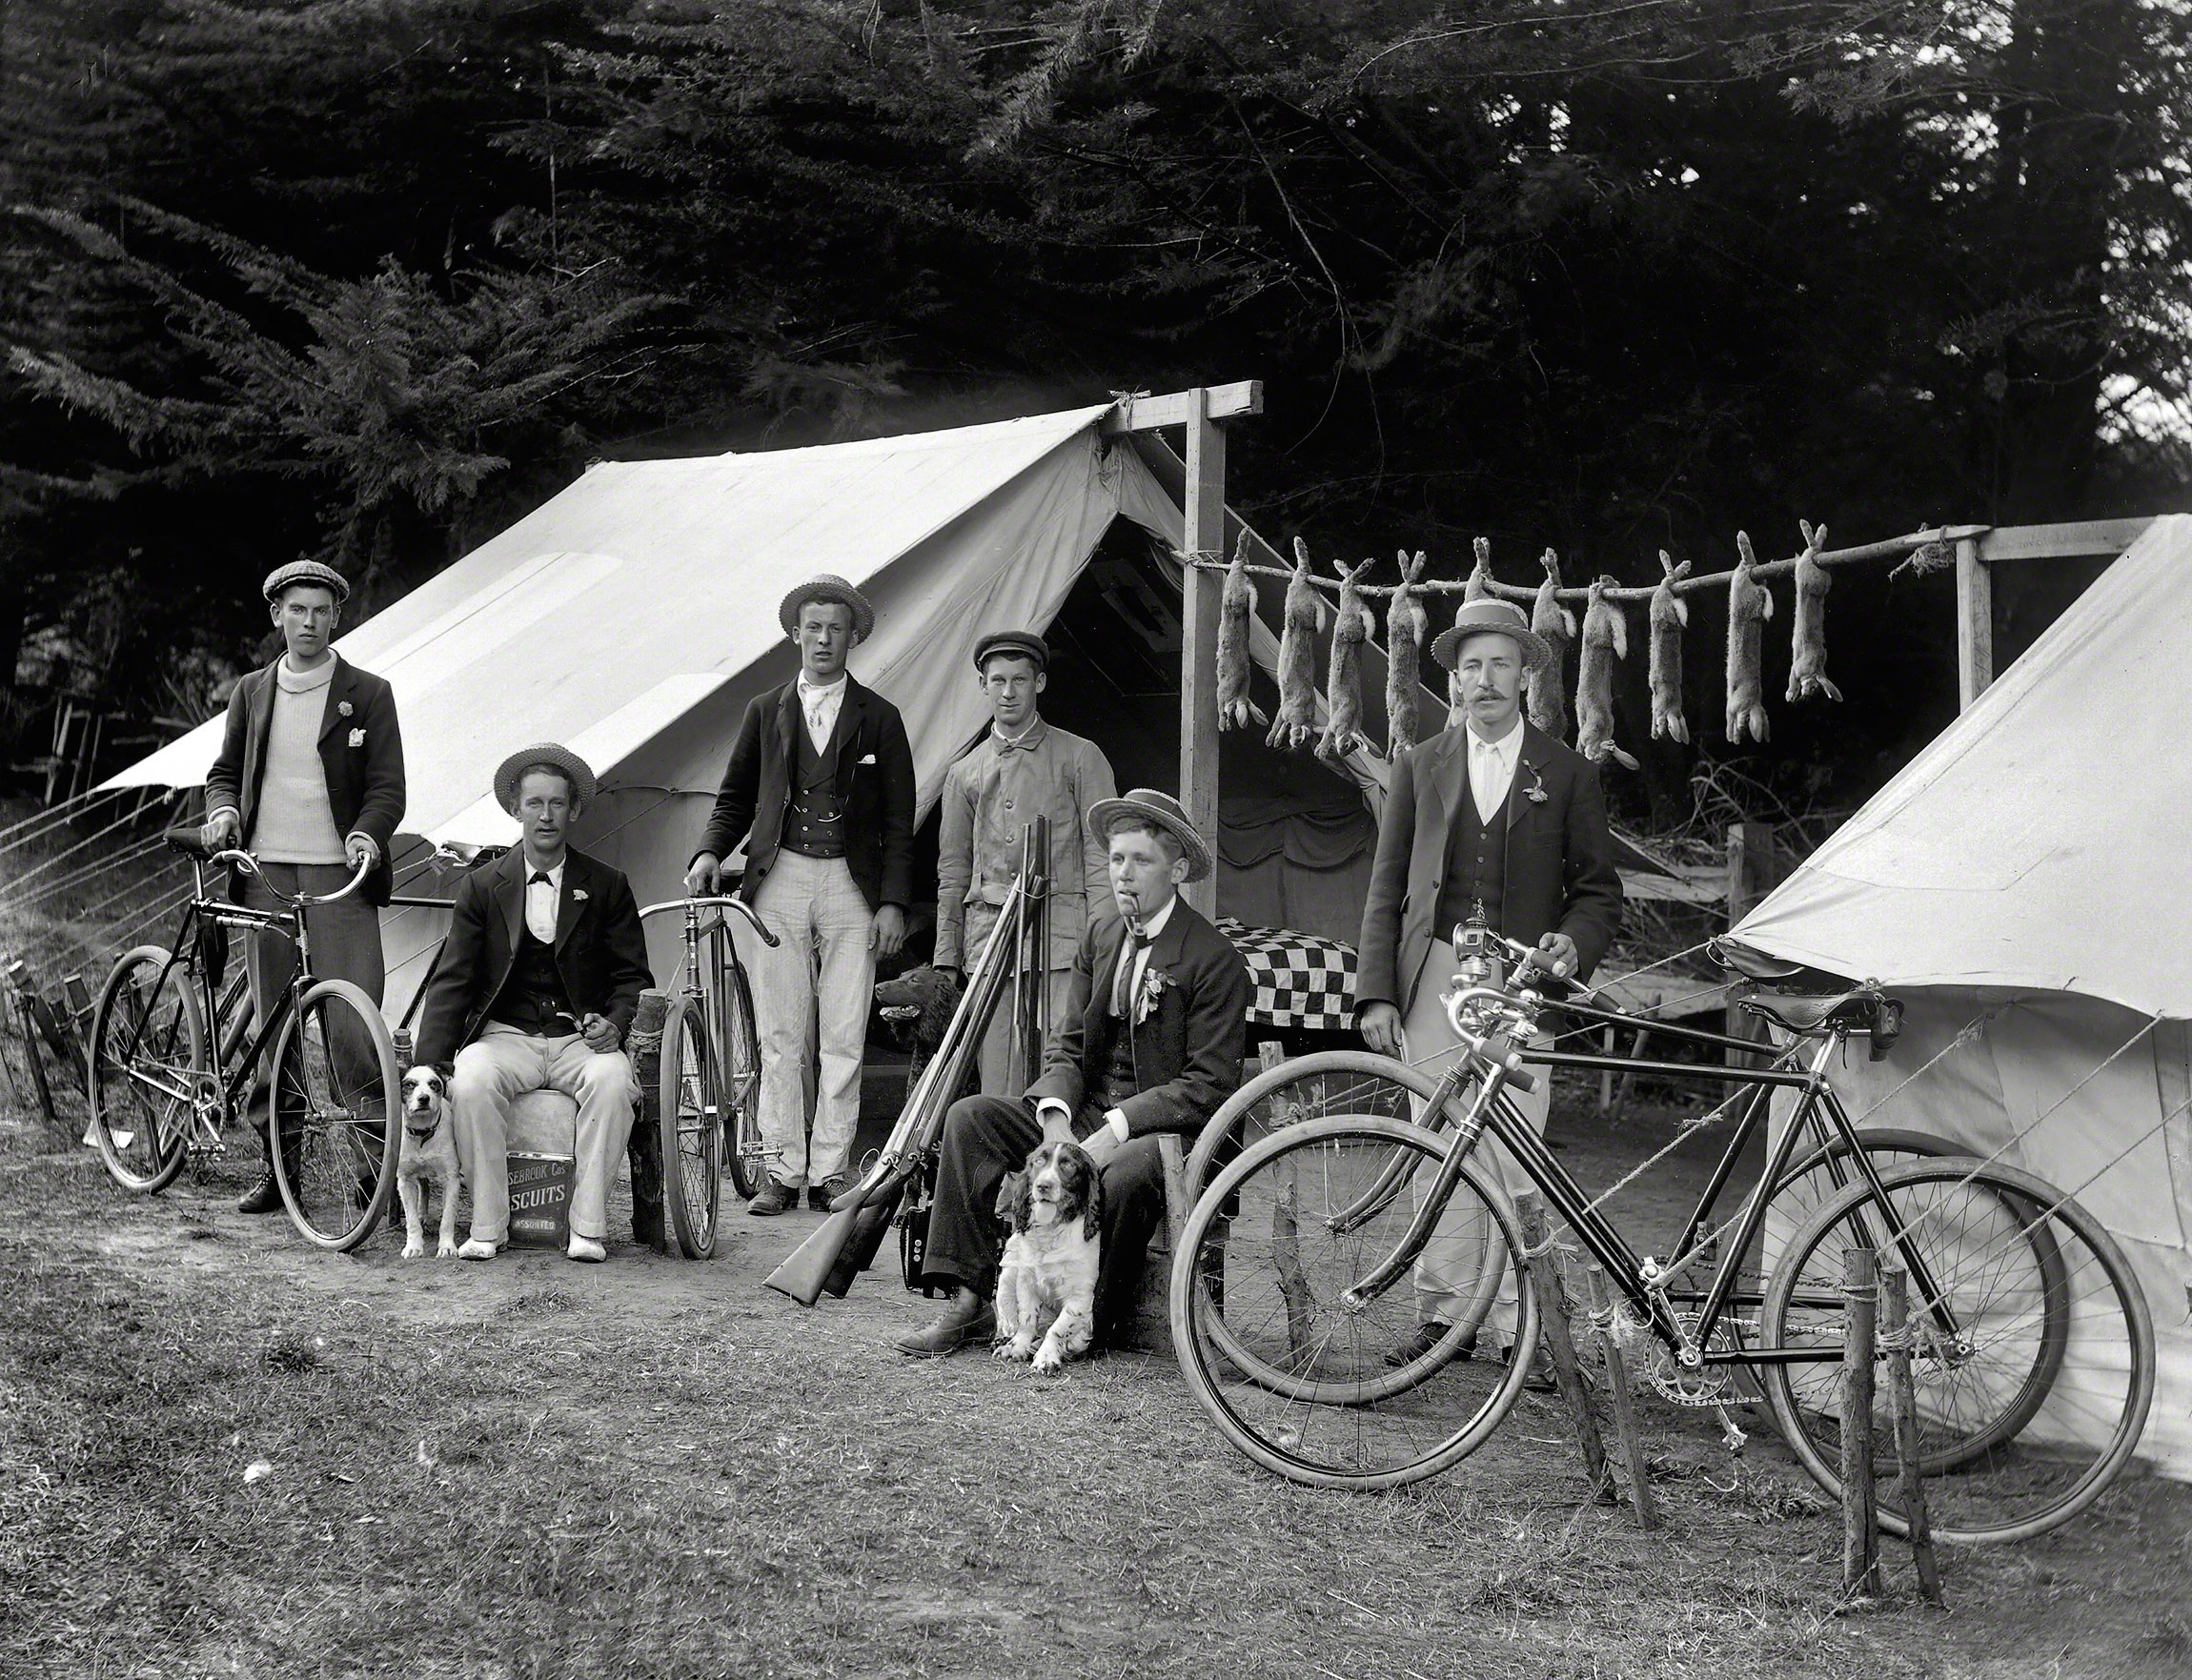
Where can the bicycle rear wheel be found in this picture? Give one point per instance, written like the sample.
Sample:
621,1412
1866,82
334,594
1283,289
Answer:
2031,1396
1290,1367
739,1054
145,1060
691,1116
334,1115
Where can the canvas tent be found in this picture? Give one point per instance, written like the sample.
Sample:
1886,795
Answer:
633,616
2028,872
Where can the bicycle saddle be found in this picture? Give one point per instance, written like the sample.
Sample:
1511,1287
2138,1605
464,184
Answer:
1879,1018
186,841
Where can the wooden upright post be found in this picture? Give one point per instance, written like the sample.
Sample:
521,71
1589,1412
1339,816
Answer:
1861,1511
1974,622
1750,878
1199,589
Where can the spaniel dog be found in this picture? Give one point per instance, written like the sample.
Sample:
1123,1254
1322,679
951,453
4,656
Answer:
428,1157
1047,1283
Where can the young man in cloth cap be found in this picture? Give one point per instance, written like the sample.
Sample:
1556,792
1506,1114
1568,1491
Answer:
537,986
1151,1042
1021,769
309,779
1498,823
821,789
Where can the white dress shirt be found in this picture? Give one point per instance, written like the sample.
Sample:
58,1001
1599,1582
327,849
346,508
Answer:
1149,930
821,702
542,899
1491,769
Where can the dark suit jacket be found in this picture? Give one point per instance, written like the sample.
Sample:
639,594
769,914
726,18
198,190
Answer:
874,781
1559,860
1186,1054
364,781
600,950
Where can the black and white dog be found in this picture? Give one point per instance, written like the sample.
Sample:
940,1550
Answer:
1047,1283
428,1157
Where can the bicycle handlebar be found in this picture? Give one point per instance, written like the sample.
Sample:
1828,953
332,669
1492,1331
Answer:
186,841
721,902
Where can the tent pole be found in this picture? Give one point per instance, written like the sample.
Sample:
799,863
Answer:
1199,589
1974,623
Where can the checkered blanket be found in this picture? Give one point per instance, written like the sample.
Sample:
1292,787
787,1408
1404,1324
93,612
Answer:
1300,980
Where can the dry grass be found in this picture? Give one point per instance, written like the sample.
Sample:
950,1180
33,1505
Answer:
654,1469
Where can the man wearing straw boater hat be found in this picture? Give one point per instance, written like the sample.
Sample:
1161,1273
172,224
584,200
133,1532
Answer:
310,779
1495,823
1022,768
1151,1042
819,787
537,986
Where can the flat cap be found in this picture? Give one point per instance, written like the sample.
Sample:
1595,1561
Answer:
1013,641
309,572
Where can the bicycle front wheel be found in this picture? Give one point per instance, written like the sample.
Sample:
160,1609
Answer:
2031,1350
334,1112
739,1059
1291,1362
146,1063
691,1116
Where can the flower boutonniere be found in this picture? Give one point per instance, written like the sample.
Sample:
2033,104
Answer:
578,894
358,737
1154,981
342,708
1536,791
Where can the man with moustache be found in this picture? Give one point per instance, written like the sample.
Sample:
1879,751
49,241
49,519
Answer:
819,786
1495,823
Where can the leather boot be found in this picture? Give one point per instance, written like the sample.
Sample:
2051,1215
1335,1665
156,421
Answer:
963,1320
263,1197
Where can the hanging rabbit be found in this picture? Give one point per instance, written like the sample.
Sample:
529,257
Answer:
1749,607
1605,640
1351,627
1476,587
1296,724
1406,624
1808,663
1236,608
1670,616
1555,627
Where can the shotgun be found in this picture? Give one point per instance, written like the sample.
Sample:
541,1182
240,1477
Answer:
843,1245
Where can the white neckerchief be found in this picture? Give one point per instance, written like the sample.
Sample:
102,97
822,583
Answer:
541,898
1491,769
821,702
1150,929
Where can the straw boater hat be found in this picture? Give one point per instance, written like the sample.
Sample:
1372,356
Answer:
549,756
1489,615
827,588
309,572
1144,804
1013,641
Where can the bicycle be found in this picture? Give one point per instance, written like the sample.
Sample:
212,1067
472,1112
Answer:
710,1087
1286,1296
169,1070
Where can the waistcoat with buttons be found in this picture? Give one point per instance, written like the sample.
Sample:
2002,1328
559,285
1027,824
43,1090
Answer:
534,994
1475,866
814,818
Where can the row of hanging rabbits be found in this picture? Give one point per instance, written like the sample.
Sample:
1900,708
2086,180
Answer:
1604,634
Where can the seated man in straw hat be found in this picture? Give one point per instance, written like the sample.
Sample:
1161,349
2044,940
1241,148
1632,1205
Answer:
819,786
1150,1041
538,984
1495,823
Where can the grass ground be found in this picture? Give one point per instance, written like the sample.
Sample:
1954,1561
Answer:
224,1453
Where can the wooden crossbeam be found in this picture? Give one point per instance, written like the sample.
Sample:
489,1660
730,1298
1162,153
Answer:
1177,408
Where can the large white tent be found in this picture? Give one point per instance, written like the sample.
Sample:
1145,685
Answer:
634,615
2024,882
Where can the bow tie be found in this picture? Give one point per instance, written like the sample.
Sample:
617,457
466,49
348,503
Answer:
540,878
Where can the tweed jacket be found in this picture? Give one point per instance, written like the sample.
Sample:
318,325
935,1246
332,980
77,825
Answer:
874,781
1186,1053
601,951
360,749
1559,859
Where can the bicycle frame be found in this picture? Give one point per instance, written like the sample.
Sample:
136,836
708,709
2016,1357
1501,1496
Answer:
1641,1279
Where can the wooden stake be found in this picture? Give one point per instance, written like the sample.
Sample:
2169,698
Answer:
1902,1392
1601,1296
1556,1312
1861,1517
1200,607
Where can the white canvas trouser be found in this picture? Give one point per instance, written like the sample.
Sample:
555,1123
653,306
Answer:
501,1065
817,983
1453,1263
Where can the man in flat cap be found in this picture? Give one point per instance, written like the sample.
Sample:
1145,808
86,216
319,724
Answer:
537,986
1022,768
310,779
1150,1041
1495,823
819,787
